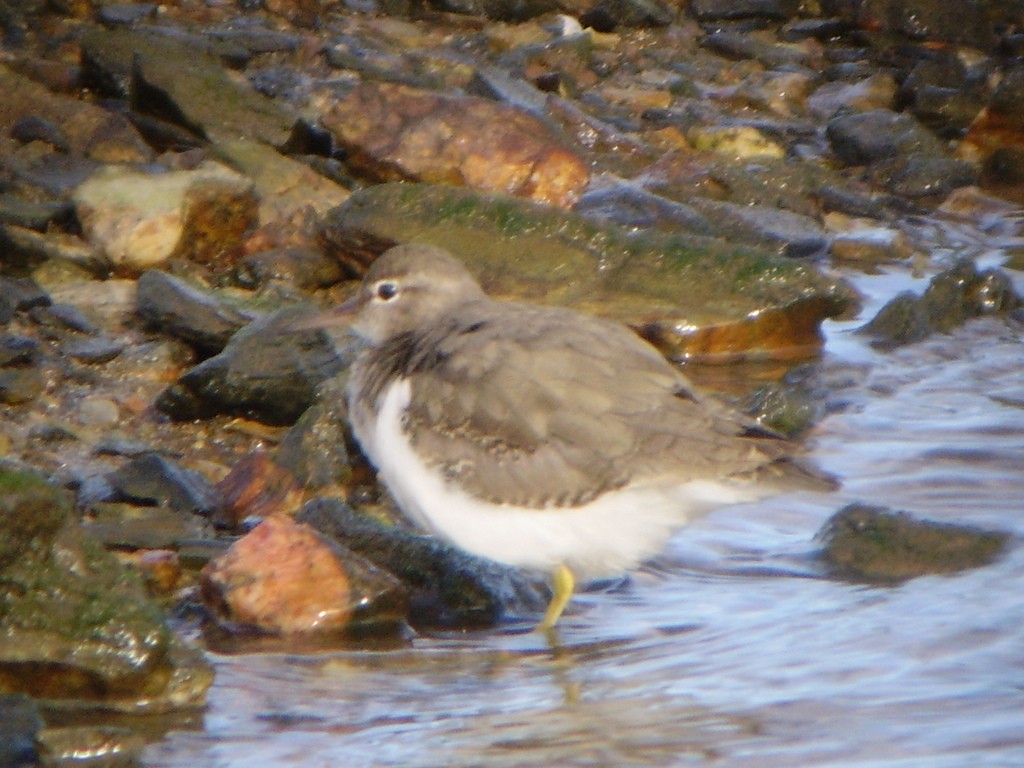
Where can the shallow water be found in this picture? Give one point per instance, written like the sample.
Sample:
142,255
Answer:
732,650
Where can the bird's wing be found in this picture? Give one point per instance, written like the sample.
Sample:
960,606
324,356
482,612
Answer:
538,407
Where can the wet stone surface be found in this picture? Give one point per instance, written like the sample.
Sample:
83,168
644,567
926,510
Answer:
181,184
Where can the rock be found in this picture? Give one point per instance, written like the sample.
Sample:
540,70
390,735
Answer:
632,206
944,94
317,450
130,527
258,487
30,215
396,132
268,371
790,234
141,220
752,304
27,249
735,141
447,587
773,54
98,411
306,268
876,544
76,624
863,138
952,297
875,92
918,177
17,350
20,384
285,578
970,22
171,80
85,129
606,15
715,10
499,10
20,724
155,480
19,294
291,194
180,309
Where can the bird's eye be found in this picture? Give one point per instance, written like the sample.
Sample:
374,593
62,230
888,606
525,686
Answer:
386,290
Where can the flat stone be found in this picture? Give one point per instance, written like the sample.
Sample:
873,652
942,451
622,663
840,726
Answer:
181,309
752,302
156,480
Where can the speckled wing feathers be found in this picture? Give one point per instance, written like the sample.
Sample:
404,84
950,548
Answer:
509,435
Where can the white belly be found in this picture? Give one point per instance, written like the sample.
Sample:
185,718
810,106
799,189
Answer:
601,538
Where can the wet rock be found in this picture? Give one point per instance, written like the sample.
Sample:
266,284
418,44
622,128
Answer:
20,294
285,578
76,625
30,215
269,371
753,302
63,317
769,52
124,14
131,527
155,480
951,298
189,88
447,587
395,132
21,380
26,249
499,10
306,268
716,10
632,206
141,220
78,127
790,234
98,411
105,745
20,724
917,177
318,450
15,350
866,137
962,21
735,141
292,195
944,94
878,91
255,488
606,15
497,84
865,242
876,544
180,309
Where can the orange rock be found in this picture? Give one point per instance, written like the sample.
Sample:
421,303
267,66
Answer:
282,577
256,487
395,132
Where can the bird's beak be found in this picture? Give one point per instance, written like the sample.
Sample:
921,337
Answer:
336,317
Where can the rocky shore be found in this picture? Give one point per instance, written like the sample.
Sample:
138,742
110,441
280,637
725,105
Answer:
180,183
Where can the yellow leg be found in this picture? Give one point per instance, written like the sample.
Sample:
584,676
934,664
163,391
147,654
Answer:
563,583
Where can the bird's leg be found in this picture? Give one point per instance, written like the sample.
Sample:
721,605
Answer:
563,583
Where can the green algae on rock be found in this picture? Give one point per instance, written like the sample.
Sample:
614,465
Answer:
696,298
876,544
77,626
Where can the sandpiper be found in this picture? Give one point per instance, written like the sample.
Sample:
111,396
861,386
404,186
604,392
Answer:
538,437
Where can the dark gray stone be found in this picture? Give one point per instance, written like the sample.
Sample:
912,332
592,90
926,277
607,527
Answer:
863,138
155,480
180,309
716,10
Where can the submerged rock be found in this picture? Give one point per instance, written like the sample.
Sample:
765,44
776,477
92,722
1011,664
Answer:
951,298
750,302
77,625
876,544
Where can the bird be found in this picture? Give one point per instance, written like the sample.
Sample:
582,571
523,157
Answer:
539,437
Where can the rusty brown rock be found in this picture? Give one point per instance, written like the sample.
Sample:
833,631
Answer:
285,578
395,132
